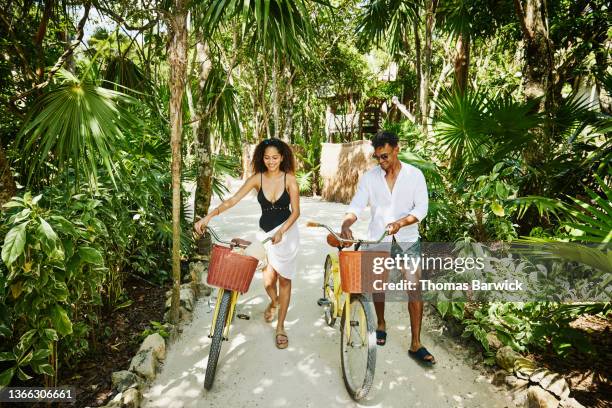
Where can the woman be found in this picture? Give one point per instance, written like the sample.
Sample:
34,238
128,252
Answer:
278,194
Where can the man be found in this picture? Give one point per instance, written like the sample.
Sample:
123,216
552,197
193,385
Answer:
397,195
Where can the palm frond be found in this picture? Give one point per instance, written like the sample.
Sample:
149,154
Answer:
222,166
593,219
220,100
386,21
456,16
280,24
122,74
76,125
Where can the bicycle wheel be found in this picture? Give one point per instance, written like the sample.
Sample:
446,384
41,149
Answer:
358,347
328,292
217,339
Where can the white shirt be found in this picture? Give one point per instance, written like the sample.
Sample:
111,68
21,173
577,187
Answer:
409,197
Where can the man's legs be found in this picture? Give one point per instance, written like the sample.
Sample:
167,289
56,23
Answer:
379,306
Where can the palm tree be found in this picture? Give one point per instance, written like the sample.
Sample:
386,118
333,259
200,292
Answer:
177,56
392,20
277,24
283,24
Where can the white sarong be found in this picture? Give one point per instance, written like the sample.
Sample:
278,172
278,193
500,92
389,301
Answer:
282,256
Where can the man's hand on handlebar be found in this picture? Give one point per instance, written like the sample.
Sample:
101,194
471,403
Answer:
346,232
393,228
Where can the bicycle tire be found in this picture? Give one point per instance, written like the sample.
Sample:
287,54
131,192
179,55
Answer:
217,339
330,312
359,391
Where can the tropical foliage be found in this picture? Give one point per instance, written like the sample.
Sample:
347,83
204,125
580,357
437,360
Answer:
508,119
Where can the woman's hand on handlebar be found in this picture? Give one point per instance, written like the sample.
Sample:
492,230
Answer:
200,226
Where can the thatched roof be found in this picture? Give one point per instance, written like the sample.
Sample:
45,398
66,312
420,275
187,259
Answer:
341,166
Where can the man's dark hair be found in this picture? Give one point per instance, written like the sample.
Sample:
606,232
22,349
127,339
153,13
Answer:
383,137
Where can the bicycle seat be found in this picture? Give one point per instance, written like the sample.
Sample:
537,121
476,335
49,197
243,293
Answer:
332,241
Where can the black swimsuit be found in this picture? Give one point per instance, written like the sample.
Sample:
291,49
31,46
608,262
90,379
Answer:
273,214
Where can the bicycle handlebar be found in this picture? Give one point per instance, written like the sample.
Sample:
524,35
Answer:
216,237
344,240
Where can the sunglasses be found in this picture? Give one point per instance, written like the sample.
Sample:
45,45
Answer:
383,156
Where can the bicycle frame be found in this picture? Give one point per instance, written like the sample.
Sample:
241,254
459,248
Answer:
342,299
340,303
220,291
230,315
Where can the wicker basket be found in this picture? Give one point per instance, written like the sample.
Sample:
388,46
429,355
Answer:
230,270
356,271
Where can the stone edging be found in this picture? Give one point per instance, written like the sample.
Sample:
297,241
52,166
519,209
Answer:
531,386
128,385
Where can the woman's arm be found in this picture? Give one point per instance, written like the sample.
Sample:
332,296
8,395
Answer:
294,195
251,183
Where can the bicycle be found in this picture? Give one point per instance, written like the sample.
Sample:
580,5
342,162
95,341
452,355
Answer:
343,297
232,273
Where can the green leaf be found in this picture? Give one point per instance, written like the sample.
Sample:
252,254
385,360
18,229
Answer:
443,307
6,376
7,356
63,225
13,204
26,339
497,209
44,369
22,375
60,320
90,255
14,244
41,354
47,231
36,199
502,191
5,331
50,335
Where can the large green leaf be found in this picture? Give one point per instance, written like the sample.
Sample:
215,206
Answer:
14,244
6,376
47,236
90,255
60,320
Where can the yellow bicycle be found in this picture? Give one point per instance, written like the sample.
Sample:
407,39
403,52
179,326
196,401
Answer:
232,273
343,297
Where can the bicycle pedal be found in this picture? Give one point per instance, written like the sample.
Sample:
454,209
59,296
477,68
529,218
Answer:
323,302
243,316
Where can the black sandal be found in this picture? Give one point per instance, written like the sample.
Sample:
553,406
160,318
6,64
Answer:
381,337
420,355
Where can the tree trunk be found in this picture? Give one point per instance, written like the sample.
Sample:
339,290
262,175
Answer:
537,71
8,187
203,193
430,10
462,62
419,70
276,95
177,57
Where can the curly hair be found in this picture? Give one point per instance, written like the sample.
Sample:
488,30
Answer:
383,137
288,163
